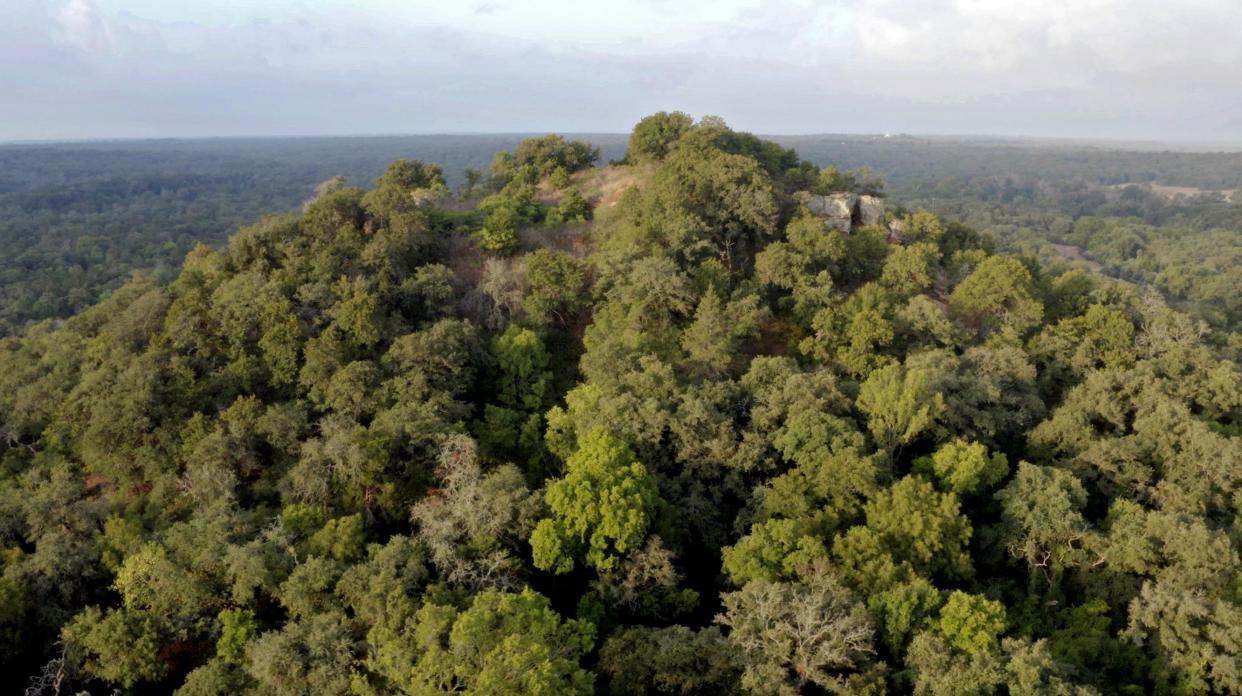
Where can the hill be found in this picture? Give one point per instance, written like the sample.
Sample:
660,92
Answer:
711,420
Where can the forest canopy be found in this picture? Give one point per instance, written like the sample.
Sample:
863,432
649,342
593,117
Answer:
661,426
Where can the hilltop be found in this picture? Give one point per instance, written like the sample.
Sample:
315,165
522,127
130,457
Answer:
708,419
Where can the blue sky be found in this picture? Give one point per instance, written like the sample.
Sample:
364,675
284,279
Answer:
1085,68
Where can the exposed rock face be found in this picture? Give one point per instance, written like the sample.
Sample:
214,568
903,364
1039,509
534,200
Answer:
896,229
844,211
870,210
838,210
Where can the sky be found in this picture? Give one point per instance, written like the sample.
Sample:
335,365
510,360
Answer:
1115,69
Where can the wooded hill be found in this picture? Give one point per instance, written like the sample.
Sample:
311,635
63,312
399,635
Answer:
672,426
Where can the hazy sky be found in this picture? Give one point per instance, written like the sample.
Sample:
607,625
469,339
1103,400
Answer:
1155,69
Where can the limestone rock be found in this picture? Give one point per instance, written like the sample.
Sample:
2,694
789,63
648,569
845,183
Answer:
870,210
896,229
837,210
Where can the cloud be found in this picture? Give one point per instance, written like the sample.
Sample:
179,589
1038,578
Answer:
1123,68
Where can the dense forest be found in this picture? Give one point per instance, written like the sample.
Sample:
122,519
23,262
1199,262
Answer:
711,419
77,219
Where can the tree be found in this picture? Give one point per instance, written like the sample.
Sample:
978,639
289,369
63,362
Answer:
913,524
909,270
774,550
713,340
504,643
964,468
600,510
939,670
790,634
903,610
471,525
118,646
971,623
1042,518
237,628
672,660
899,404
654,136
473,176
854,333
313,655
499,234
556,286
573,208
514,425
998,294
1034,670
1195,638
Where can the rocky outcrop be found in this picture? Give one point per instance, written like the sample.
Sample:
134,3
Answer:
896,229
870,210
844,211
836,209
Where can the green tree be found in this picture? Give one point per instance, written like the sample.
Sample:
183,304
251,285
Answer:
504,643
654,136
499,234
715,337
672,660
556,287
313,655
237,628
910,270
774,550
914,524
1042,519
998,294
601,509
118,646
964,468
971,623
899,404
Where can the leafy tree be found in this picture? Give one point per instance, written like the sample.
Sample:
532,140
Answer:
601,509
313,655
504,643
1194,637
673,660
791,634
573,208
499,234
556,286
713,339
774,550
903,610
1042,518
118,646
964,468
909,270
998,294
914,524
854,333
654,136
971,623
237,628
899,404
523,382
471,526
939,670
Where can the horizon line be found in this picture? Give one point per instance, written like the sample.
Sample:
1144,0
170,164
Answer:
1081,140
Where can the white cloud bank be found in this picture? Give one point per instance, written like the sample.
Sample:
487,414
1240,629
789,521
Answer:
1092,68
